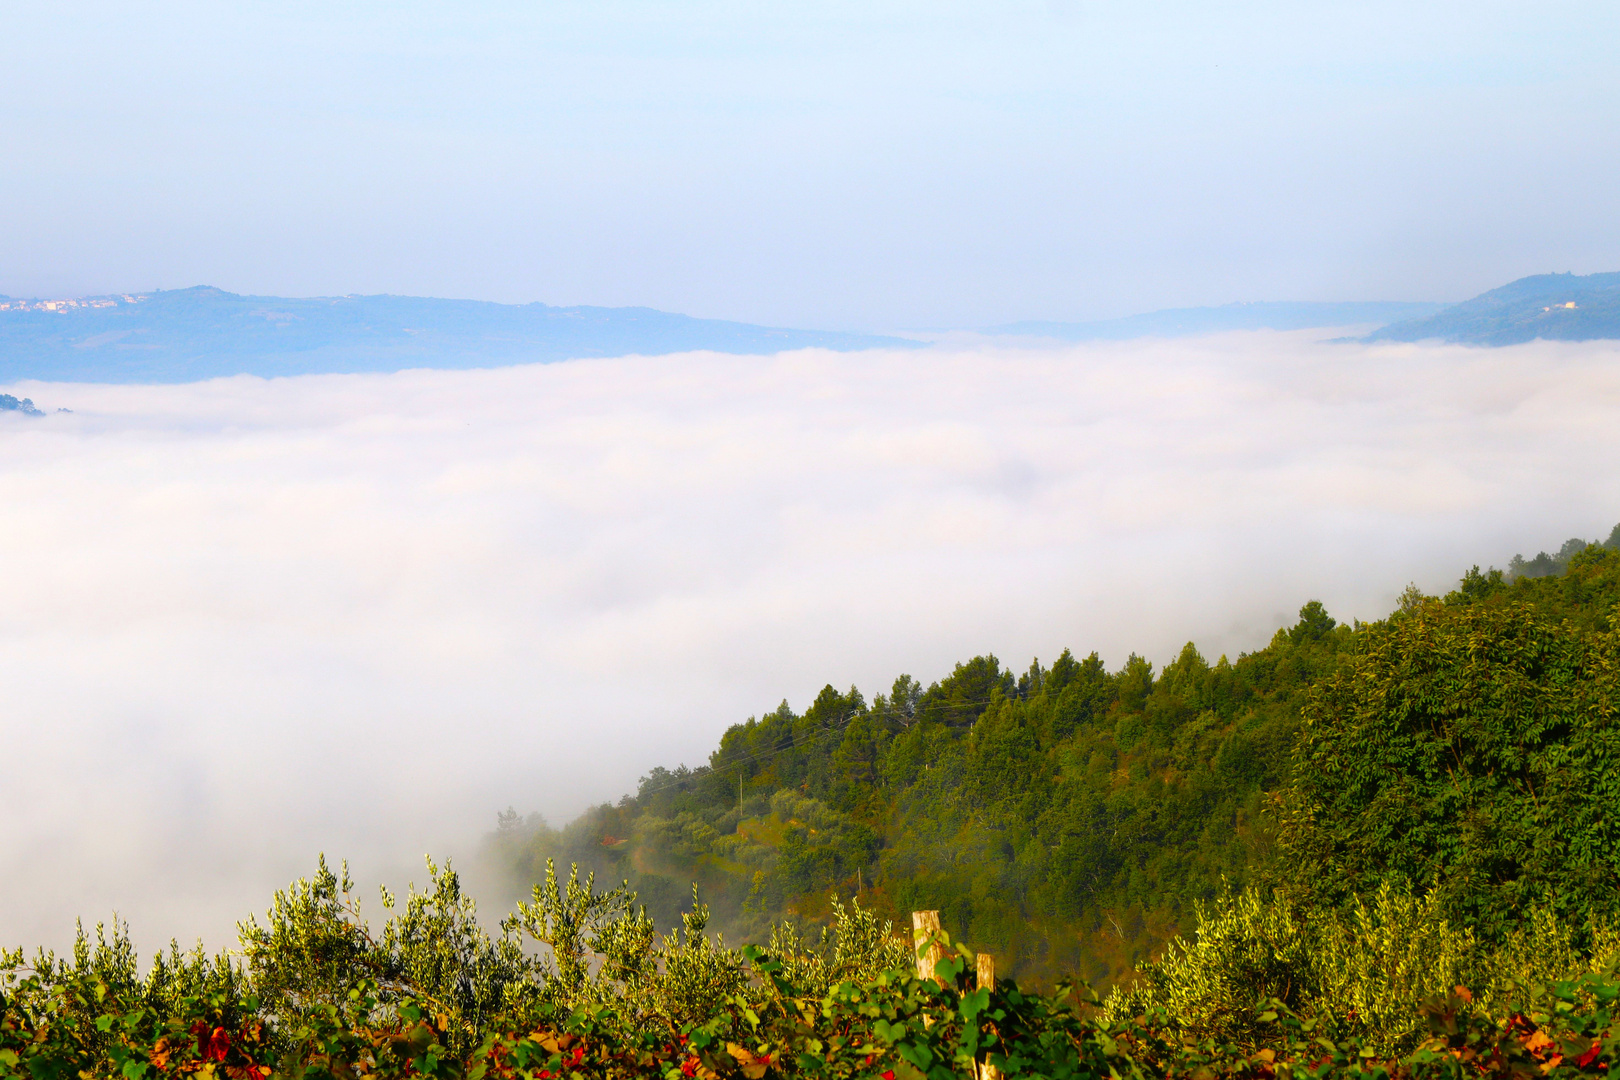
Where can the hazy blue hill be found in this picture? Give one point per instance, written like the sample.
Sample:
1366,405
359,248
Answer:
1178,322
198,333
1530,308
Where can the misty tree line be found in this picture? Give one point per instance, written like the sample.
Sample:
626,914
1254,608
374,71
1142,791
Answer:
1068,817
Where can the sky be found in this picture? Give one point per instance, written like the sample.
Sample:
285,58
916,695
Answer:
247,621
885,164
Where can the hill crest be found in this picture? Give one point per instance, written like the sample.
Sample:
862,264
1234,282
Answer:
182,335
1551,307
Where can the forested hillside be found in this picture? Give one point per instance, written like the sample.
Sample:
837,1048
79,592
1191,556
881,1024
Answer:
1066,817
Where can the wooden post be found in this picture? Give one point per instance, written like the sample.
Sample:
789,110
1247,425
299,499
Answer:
924,926
987,981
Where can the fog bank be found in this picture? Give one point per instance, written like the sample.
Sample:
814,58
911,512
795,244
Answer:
246,621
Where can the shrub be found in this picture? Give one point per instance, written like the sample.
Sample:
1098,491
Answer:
1360,971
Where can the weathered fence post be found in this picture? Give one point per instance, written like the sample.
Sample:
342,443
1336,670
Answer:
925,927
987,981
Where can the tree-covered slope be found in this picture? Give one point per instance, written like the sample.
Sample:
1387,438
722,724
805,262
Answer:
1069,818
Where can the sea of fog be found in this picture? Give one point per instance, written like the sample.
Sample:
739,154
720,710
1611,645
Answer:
248,621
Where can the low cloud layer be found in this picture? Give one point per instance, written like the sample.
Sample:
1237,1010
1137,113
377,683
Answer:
248,621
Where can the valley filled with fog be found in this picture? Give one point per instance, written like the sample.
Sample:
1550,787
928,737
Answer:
251,620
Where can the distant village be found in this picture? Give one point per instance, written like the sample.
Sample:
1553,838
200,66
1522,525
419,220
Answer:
65,306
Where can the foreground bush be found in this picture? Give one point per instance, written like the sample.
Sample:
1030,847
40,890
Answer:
894,1027
1362,971
1266,991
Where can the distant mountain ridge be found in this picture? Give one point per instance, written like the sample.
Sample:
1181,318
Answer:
1265,315
202,332
1554,307
183,335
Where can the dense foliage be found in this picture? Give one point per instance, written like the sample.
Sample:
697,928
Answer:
1475,750
1361,972
759,1014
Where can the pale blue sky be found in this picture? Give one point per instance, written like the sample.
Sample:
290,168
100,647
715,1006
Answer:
874,165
